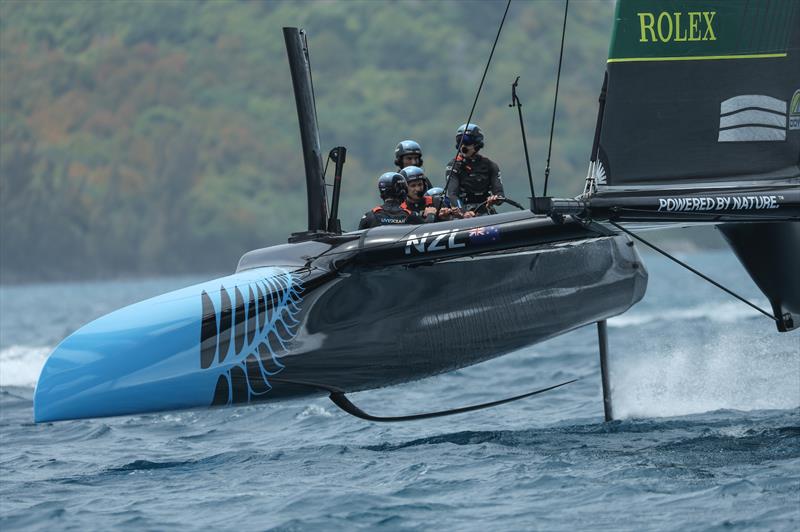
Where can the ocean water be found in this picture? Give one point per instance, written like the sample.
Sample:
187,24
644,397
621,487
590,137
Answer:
706,392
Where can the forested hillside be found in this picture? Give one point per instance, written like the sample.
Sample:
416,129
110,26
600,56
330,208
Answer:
147,137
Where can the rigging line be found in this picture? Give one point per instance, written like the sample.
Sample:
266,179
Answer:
699,274
503,199
475,101
515,102
555,100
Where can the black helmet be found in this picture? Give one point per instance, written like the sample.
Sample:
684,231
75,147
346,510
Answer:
472,135
414,173
438,196
392,185
407,147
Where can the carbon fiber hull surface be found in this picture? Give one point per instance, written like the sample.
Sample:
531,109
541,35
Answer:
377,326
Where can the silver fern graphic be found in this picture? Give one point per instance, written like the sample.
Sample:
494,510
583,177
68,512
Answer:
596,175
247,335
752,118
599,174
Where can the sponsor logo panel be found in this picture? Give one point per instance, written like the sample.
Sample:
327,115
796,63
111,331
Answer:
718,203
752,118
794,111
432,241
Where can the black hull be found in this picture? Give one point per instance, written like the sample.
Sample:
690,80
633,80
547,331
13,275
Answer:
344,313
380,321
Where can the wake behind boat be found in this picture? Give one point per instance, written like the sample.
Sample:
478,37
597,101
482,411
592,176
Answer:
332,312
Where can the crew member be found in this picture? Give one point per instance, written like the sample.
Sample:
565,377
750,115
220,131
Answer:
393,190
407,153
417,202
474,179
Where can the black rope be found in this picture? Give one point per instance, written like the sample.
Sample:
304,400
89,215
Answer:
475,101
705,277
503,199
555,100
515,102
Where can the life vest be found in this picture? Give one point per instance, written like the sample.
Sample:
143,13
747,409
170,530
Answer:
391,214
417,207
474,179
380,208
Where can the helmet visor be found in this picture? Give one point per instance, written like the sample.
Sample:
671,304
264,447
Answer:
468,140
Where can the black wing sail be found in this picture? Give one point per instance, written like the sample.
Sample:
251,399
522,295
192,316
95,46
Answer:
702,112
700,122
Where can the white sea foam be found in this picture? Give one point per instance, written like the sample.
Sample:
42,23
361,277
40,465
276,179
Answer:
314,411
20,365
728,312
732,371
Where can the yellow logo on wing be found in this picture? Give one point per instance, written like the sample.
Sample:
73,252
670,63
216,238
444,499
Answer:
677,27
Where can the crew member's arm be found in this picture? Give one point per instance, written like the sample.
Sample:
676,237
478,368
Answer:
454,169
496,183
367,221
429,214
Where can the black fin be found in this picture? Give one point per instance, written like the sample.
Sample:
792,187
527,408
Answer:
340,400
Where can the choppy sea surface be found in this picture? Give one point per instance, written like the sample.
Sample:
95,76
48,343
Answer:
706,392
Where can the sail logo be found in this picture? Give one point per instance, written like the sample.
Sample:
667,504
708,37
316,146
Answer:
677,27
718,203
794,111
439,241
599,174
752,118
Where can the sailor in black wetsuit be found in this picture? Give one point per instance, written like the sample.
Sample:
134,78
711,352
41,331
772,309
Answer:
408,153
475,180
393,189
416,201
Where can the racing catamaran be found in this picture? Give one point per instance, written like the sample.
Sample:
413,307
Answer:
699,122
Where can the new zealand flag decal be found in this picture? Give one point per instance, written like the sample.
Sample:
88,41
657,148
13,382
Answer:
484,235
